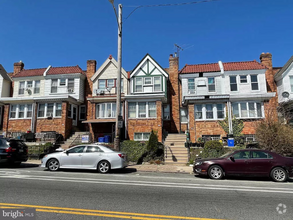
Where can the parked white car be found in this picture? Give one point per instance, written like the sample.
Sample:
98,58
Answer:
91,156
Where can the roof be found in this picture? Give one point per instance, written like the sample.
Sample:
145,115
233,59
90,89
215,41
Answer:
230,66
4,74
285,67
51,71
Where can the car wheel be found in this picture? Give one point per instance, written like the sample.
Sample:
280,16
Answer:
216,172
104,167
278,174
53,165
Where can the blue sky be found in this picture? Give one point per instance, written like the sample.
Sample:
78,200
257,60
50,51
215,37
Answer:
70,32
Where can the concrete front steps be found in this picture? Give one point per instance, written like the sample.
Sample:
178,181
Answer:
175,151
73,140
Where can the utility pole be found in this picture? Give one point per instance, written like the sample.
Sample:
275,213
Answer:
118,84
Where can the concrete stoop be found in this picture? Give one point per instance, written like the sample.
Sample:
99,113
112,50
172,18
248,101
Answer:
76,137
175,151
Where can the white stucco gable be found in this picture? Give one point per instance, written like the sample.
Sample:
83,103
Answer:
148,66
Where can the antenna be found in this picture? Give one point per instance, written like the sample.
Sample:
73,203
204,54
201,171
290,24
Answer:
178,50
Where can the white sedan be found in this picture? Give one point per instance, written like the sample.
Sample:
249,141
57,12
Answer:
89,156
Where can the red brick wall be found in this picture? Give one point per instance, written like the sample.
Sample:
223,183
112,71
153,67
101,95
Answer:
147,124
208,128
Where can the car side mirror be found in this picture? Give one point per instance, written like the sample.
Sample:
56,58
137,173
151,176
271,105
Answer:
66,152
232,158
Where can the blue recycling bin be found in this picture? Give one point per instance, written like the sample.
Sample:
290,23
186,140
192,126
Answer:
107,138
101,139
231,142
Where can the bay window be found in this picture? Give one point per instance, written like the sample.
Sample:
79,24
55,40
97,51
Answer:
49,110
20,111
142,110
247,110
157,84
209,111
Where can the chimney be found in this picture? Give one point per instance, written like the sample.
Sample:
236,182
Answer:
90,71
266,59
18,67
174,93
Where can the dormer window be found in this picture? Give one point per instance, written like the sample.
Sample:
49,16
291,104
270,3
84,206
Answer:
148,84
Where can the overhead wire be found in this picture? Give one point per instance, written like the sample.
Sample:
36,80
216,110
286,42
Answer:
166,5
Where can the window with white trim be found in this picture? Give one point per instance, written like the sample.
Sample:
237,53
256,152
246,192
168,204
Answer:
233,83
20,111
49,110
183,115
211,84
62,82
70,85
142,110
247,110
243,78
82,112
191,86
54,85
37,87
166,114
249,138
209,111
141,136
21,88
198,111
148,84
254,82
107,110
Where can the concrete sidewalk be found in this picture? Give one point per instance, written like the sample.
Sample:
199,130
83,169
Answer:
146,167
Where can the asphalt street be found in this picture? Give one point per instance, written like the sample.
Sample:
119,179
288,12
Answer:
127,194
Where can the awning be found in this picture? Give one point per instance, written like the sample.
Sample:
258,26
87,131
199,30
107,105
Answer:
100,120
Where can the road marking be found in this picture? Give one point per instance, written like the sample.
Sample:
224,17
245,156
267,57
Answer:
157,184
111,214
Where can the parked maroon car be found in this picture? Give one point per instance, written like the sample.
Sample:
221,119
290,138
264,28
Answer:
248,162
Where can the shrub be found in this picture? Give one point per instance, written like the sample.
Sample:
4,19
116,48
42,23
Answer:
212,149
134,150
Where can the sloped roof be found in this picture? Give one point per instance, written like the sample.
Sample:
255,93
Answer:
4,74
284,68
51,71
230,66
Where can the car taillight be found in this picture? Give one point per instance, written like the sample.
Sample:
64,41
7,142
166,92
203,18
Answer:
121,155
10,149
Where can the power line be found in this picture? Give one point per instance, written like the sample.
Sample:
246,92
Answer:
167,5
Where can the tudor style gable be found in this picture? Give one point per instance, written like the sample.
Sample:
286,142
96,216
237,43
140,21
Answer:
148,77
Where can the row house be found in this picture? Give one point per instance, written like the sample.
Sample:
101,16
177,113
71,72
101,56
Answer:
211,92
5,88
143,92
284,82
45,99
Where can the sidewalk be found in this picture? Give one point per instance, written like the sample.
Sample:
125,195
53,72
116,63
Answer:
146,167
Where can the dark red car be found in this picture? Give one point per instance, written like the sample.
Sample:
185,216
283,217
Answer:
250,162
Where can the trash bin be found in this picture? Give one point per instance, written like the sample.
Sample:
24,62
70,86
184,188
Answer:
230,142
107,138
101,139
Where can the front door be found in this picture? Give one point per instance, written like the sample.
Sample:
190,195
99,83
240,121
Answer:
74,115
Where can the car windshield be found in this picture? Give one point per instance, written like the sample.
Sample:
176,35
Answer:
226,155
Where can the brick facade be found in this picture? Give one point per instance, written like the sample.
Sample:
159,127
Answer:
146,125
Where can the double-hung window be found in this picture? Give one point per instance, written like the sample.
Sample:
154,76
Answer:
142,109
21,110
21,87
50,110
220,111
148,84
106,110
102,84
211,84
37,87
233,83
58,110
243,78
152,109
29,111
157,84
254,82
209,111
183,115
62,82
70,85
54,85
191,86
138,84
247,110
132,109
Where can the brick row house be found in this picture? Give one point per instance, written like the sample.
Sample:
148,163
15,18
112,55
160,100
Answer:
45,99
5,89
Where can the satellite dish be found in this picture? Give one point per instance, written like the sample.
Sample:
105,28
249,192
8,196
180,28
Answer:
285,94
